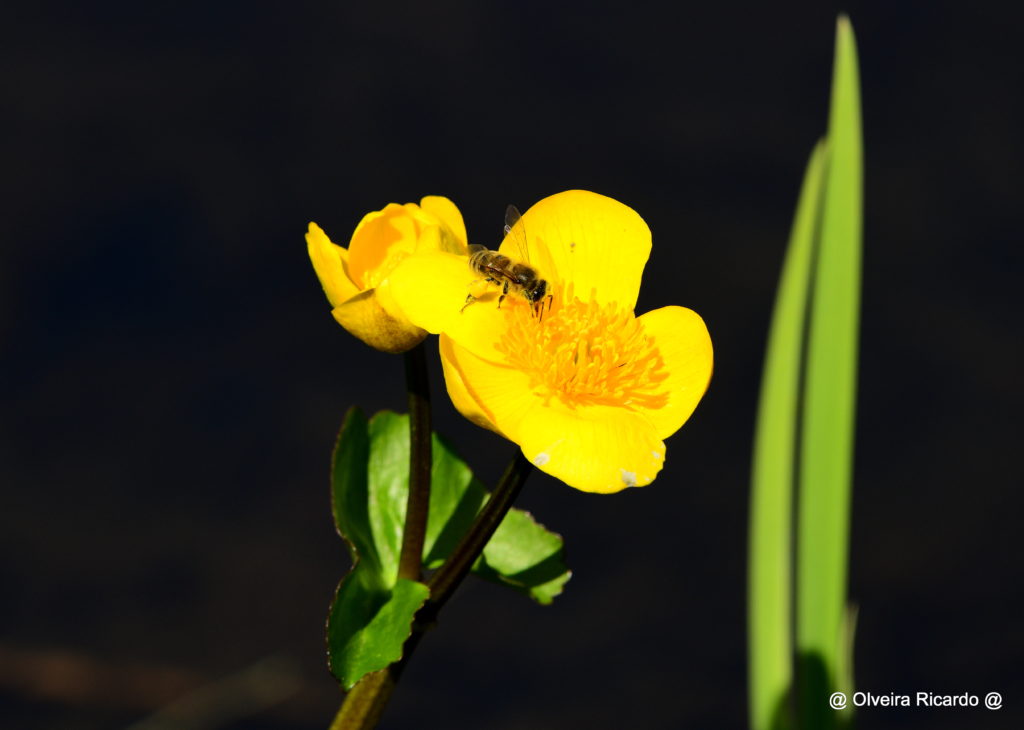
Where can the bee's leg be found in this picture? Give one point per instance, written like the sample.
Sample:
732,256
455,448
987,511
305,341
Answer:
545,302
504,293
475,284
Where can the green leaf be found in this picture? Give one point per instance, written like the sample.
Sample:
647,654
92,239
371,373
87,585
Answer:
388,473
372,613
369,485
367,627
770,580
525,555
521,554
807,397
350,497
455,498
370,489
826,449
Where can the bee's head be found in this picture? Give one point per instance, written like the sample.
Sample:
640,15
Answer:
538,291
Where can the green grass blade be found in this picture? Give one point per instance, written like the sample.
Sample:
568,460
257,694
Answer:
826,451
769,583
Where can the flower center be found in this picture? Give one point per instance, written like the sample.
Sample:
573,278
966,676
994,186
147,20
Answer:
585,353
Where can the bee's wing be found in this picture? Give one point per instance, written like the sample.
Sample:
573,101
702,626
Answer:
515,236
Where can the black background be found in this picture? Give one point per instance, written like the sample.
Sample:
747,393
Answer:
172,378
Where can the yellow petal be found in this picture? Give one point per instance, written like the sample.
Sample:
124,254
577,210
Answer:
489,393
431,290
430,238
682,340
364,317
448,214
458,389
595,243
387,302
593,448
381,240
330,263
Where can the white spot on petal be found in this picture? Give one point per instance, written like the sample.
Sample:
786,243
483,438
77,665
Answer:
541,459
657,455
628,477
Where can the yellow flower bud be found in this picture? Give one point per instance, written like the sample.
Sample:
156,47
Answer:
356,279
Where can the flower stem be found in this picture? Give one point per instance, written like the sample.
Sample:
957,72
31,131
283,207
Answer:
418,504
447,578
365,702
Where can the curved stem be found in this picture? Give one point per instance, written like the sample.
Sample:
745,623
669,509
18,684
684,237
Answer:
365,702
418,504
447,578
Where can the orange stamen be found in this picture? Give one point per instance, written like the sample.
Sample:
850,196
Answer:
585,353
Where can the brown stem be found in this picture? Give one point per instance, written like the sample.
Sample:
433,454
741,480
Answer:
365,702
447,578
418,504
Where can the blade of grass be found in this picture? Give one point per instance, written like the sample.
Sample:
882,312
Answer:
769,582
826,450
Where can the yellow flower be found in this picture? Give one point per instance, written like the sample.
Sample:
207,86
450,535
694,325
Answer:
355,279
586,388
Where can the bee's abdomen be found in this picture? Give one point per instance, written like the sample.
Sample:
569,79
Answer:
486,261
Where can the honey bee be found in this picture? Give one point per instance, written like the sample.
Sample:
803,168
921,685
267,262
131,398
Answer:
515,277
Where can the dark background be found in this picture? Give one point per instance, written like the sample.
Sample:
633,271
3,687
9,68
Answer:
172,378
